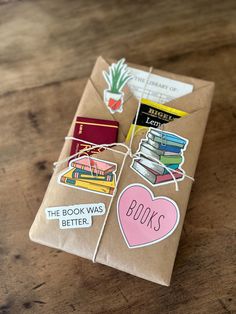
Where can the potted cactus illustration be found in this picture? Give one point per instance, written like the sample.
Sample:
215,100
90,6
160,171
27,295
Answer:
116,78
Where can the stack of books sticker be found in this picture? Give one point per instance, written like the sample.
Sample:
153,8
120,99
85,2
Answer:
91,174
160,146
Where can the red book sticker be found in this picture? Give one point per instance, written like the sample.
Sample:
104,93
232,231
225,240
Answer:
96,131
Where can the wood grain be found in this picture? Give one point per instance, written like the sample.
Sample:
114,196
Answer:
47,50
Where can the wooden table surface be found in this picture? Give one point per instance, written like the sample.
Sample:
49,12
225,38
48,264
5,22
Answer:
47,51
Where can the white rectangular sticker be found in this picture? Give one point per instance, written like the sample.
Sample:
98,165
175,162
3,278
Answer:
75,216
158,89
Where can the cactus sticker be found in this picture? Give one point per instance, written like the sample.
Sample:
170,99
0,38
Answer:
116,78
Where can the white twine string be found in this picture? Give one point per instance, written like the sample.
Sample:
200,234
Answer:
128,153
139,105
105,146
93,173
108,209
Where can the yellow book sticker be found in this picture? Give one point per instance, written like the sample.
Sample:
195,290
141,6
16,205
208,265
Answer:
152,114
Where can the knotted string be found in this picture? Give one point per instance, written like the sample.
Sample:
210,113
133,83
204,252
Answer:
105,146
128,153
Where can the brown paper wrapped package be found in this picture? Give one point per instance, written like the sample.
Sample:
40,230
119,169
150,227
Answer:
154,262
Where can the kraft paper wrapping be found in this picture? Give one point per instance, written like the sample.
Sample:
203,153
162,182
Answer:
154,262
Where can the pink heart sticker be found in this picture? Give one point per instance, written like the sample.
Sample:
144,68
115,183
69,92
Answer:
145,219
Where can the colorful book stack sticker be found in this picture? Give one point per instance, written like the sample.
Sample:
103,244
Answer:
152,114
166,147
90,174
